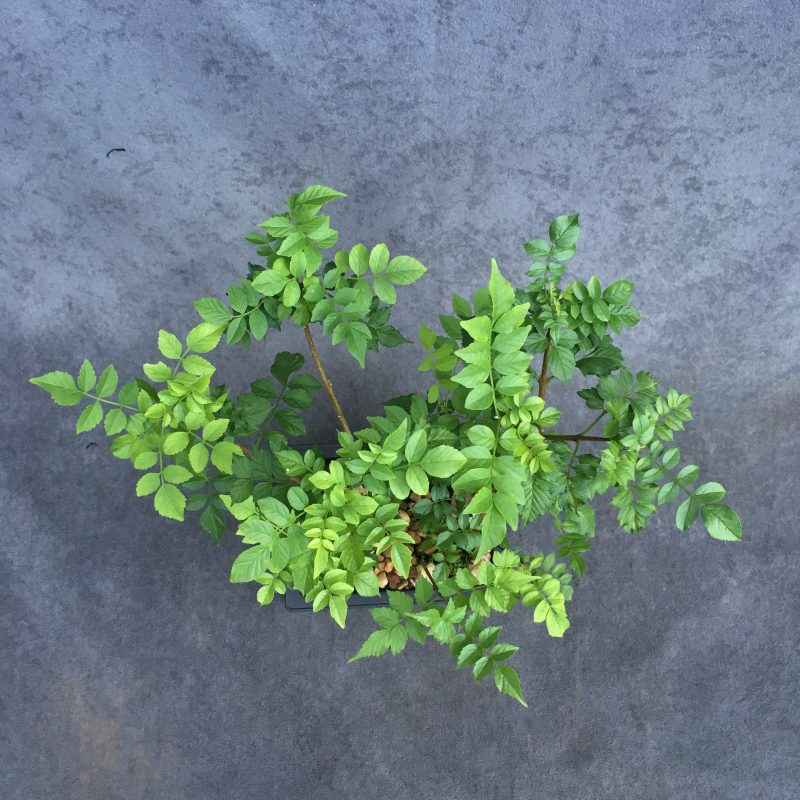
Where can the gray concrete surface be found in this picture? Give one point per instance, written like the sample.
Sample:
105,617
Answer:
130,667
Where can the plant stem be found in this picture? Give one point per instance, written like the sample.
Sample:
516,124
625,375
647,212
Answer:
430,578
325,380
543,374
110,402
581,437
578,442
268,420
575,437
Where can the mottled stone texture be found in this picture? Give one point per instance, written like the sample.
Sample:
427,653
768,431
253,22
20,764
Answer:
130,667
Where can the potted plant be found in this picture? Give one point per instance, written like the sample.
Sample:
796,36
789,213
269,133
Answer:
424,496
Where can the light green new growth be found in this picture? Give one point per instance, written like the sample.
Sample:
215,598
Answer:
481,448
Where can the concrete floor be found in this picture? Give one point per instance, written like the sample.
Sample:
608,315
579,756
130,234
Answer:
130,667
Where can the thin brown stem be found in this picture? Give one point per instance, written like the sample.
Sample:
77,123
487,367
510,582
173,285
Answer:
430,578
543,377
575,437
325,380
578,444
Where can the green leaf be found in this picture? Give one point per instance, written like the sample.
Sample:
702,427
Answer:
472,479
362,504
481,436
561,362
213,522
709,492
398,636
285,364
442,461
501,292
416,446
176,443
250,564
481,668
394,441
502,651
400,602
357,345
204,337
214,430
479,398
688,474
384,290
279,226
722,522
359,259
461,307
481,502
600,310
686,513
291,293
222,456
197,365
212,310
416,479
472,376
401,558
618,292
507,681
317,195
257,322
671,458
91,417
322,480
423,591
404,270
60,386
147,484
377,644
236,330
145,459
174,473
297,498
468,655
270,282
169,345
493,531
292,244
564,230
198,457
427,337
479,328
366,584
668,493
266,594
170,502
537,248
86,376
115,421
556,624
378,258
338,610
158,372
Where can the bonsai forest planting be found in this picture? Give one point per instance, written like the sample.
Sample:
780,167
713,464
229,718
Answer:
421,501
